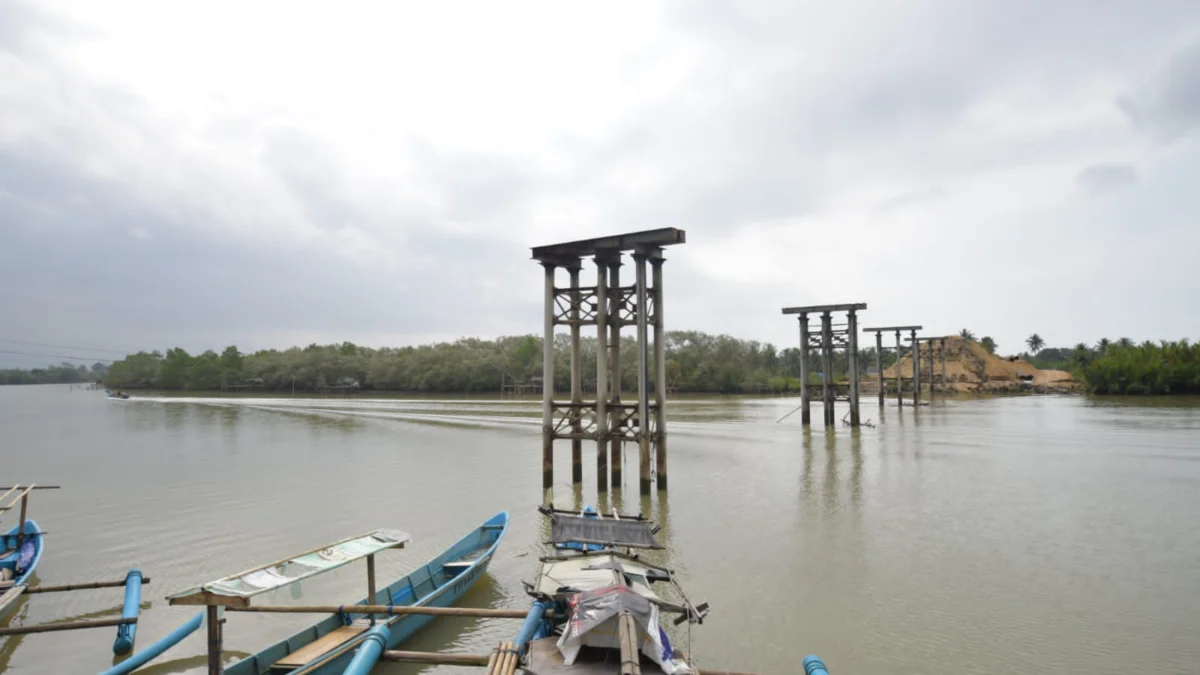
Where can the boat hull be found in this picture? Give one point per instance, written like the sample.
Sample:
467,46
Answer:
24,560
435,584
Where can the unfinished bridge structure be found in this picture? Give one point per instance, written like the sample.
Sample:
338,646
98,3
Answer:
607,419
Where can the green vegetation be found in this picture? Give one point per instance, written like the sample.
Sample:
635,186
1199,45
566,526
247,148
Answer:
966,334
1035,343
61,374
695,362
1149,368
989,344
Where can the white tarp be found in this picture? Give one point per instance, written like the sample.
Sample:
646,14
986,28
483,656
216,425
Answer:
592,622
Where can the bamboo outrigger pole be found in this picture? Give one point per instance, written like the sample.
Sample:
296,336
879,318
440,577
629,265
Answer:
478,612
67,625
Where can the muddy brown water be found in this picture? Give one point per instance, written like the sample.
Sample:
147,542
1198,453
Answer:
1056,534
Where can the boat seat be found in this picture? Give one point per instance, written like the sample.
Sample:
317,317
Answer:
320,647
457,567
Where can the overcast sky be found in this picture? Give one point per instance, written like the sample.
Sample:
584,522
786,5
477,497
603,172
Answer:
268,174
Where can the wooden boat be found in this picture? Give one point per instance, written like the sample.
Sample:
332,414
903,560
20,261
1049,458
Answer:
595,610
327,646
20,551
607,613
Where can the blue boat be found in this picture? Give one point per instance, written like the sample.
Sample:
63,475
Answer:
19,557
328,646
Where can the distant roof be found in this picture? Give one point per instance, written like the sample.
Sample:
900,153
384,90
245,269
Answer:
635,533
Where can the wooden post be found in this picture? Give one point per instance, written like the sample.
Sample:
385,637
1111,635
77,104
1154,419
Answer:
215,667
916,359
576,383
616,447
548,383
852,365
643,425
879,363
660,376
21,528
827,367
602,393
371,583
899,372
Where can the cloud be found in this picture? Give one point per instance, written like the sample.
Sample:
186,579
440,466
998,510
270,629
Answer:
386,188
1103,178
1168,104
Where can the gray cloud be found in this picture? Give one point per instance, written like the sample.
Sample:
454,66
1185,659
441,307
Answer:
1168,104
1103,178
813,152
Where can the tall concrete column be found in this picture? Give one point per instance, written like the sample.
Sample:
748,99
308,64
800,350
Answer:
827,366
548,382
660,376
805,415
576,382
852,364
942,349
616,446
602,394
879,363
916,356
899,373
643,404
932,362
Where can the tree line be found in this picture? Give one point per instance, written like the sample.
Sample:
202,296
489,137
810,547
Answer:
695,362
61,374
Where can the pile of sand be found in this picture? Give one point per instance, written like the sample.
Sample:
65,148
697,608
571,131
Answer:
970,366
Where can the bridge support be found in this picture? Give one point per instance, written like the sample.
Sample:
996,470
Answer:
879,331
831,337
608,306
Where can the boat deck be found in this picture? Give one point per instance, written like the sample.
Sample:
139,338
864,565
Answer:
321,646
545,659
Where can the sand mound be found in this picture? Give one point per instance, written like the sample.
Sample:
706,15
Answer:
970,366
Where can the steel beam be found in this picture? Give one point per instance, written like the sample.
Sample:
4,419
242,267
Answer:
820,309
644,478
603,425
805,399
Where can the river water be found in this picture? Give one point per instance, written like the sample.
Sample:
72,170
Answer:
1049,534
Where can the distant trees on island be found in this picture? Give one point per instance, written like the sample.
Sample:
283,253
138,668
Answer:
61,374
696,362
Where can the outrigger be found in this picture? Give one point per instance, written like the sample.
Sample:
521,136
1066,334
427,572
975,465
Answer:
328,646
21,549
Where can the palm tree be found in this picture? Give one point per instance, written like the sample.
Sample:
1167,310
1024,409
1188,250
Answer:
1103,345
1125,342
1035,343
966,334
1081,355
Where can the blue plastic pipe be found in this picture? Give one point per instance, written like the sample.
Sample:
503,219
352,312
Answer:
141,658
133,604
813,665
533,621
368,652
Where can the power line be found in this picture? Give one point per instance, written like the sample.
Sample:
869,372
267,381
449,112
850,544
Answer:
76,349
57,356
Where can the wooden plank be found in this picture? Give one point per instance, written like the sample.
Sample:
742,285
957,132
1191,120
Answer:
18,497
321,646
10,596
